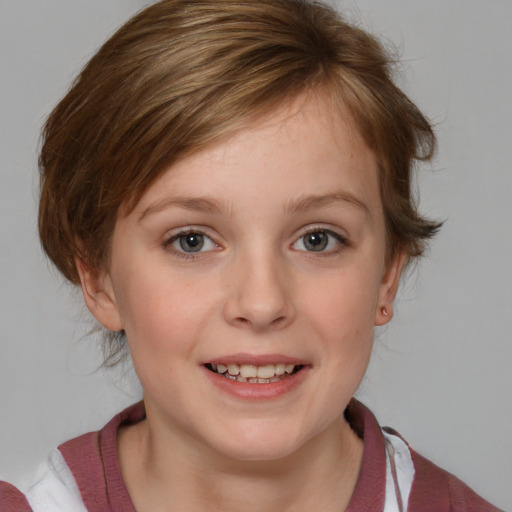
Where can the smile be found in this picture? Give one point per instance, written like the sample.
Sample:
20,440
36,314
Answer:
253,374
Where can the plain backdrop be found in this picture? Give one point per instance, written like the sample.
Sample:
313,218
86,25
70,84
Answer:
441,372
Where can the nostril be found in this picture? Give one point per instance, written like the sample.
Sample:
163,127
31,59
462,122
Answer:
242,320
277,322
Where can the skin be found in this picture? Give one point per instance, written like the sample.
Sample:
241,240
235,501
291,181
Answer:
255,288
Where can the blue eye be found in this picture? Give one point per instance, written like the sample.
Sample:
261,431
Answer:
319,240
191,242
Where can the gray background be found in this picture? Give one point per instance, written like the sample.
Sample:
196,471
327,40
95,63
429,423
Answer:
440,373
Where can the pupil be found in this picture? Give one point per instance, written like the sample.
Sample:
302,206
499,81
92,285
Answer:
191,242
316,241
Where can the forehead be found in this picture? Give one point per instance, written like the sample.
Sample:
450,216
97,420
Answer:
303,148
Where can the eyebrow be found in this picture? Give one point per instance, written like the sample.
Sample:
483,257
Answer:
310,202
197,204
214,206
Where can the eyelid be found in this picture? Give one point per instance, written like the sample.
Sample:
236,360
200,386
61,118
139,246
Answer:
339,237
175,234
313,228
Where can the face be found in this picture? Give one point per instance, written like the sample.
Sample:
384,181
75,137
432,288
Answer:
249,279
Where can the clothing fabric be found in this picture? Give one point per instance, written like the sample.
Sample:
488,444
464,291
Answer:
84,475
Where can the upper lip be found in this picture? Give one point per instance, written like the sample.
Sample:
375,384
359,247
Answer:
256,360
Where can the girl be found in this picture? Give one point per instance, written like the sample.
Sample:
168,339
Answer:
229,184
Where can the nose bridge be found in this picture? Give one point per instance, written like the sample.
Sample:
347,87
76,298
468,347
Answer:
259,290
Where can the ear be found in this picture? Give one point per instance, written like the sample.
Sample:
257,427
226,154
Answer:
388,289
99,296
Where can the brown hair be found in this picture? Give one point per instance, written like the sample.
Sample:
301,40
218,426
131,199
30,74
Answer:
184,73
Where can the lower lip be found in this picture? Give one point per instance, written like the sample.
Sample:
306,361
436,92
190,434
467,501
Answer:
256,391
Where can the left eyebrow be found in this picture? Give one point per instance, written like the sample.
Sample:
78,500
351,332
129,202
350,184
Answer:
201,204
310,202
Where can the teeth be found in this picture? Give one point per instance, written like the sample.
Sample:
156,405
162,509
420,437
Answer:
267,371
280,369
255,374
233,369
248,371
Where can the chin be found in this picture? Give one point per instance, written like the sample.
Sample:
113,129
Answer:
263,441
261,451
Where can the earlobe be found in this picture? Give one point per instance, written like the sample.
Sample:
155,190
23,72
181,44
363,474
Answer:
388,289
99,296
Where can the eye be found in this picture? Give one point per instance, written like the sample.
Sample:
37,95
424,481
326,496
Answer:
319,240
191,242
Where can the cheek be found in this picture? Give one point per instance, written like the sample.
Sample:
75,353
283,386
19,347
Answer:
163,321
162,312
342,313
345,301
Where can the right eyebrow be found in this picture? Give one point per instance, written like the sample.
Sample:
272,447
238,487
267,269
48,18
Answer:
200,204
310,202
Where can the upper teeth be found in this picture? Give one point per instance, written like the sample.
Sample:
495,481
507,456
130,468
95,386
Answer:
248,371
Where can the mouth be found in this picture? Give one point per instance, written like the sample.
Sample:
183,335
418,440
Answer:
254,374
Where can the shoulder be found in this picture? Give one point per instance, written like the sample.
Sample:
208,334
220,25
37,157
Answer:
82,474
92,460
54,490
434,485
12,500
422,485
433,488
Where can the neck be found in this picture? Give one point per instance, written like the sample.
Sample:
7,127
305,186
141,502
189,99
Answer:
163,473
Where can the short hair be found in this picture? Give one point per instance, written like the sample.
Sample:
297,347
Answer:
183,74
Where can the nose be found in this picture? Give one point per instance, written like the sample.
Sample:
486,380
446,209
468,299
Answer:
260,294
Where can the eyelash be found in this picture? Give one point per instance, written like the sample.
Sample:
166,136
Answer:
168,244
342,241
